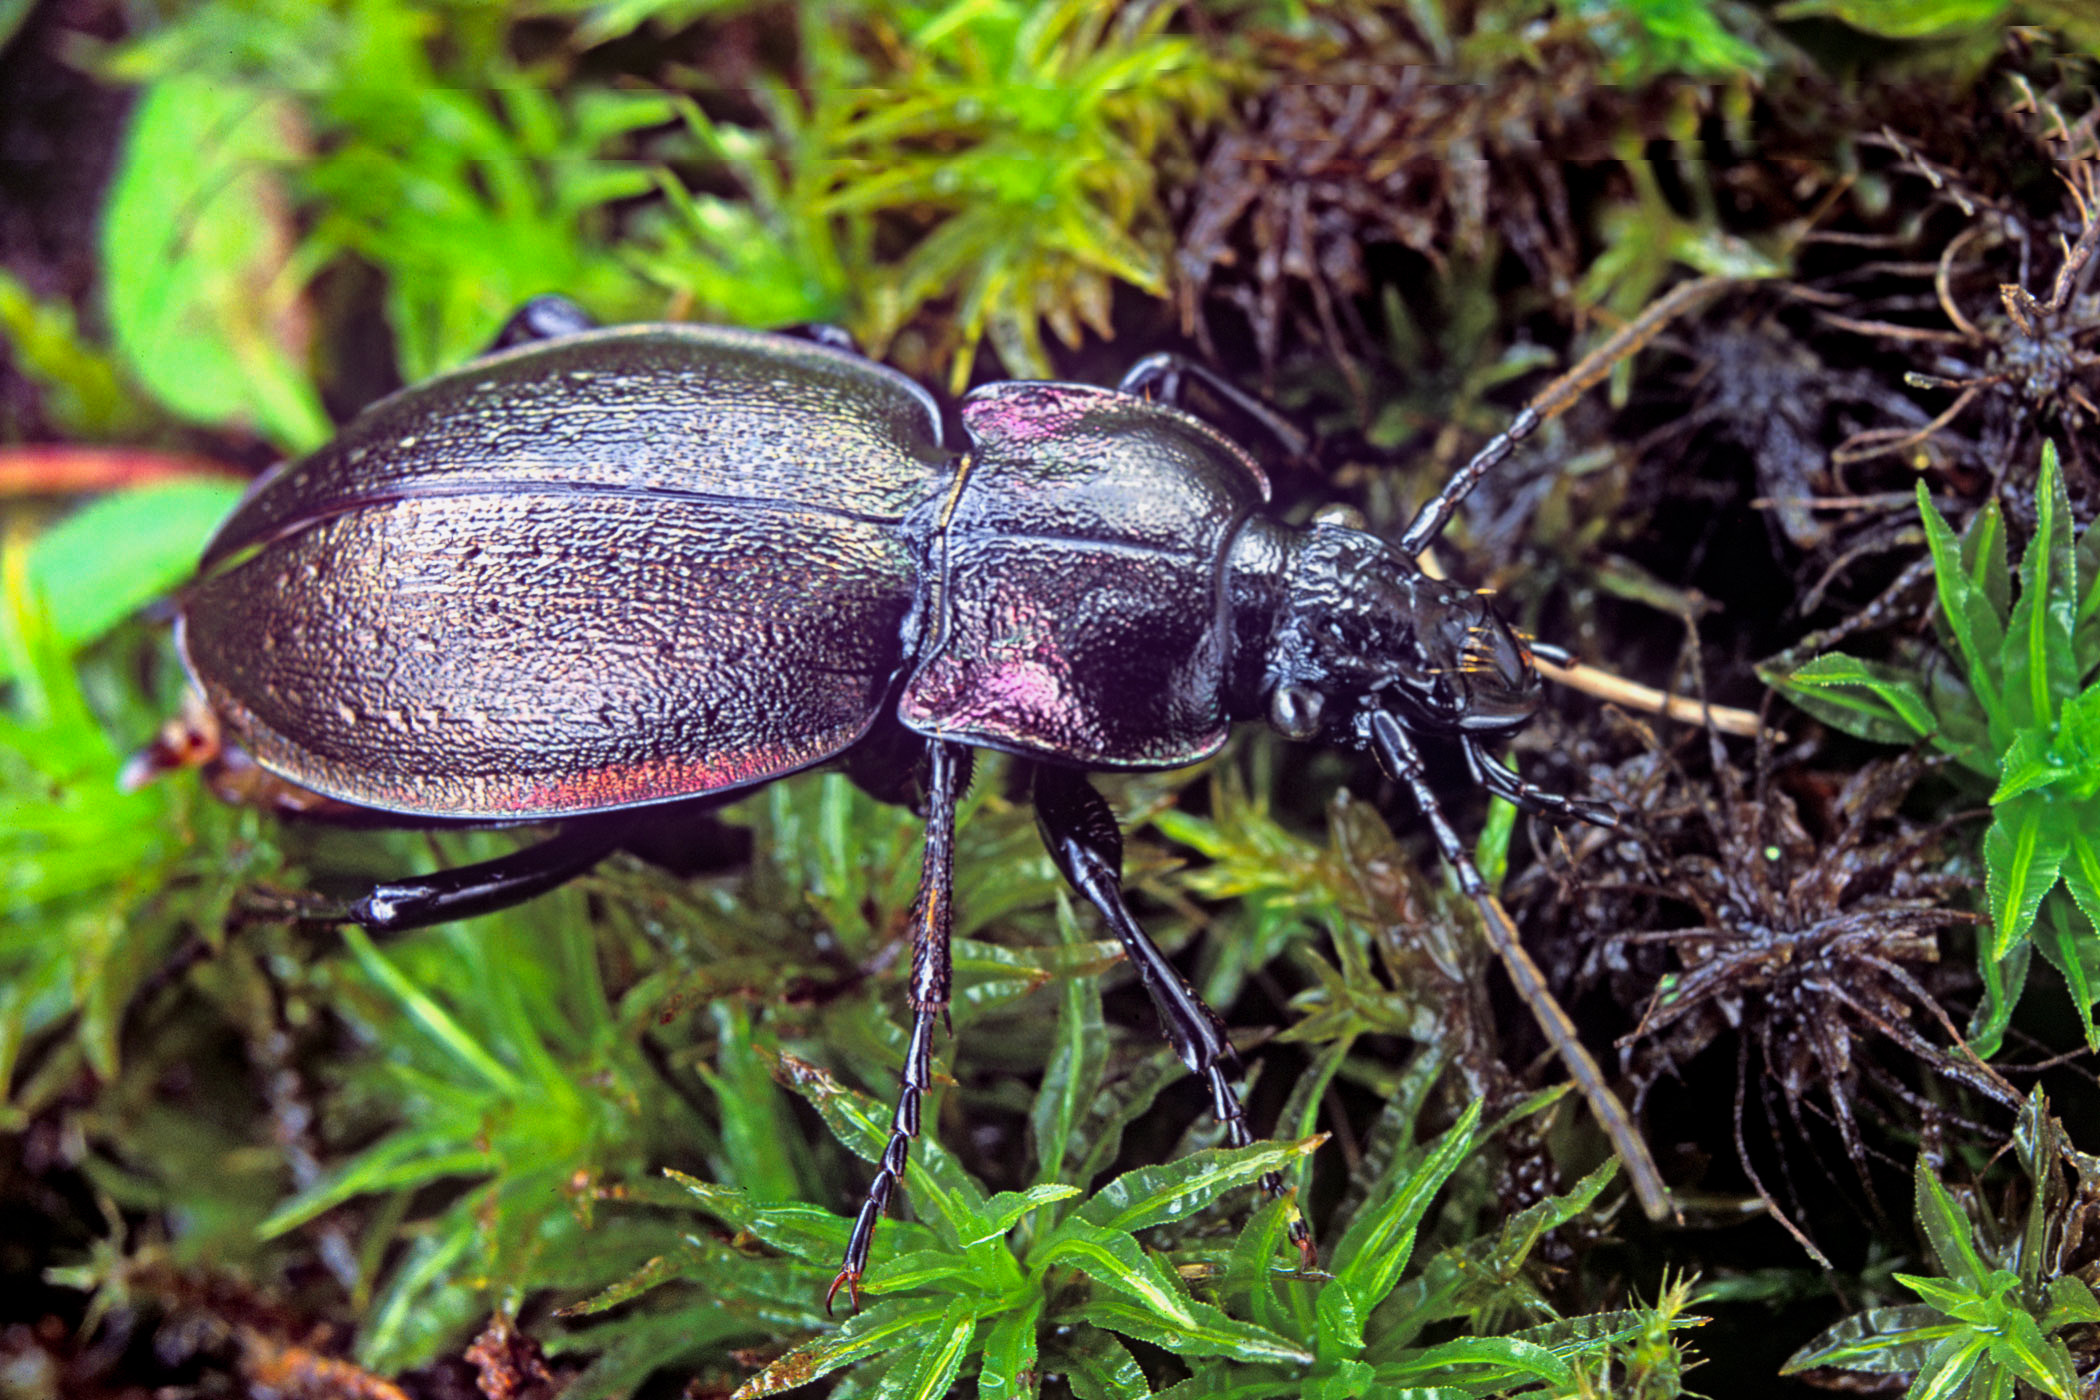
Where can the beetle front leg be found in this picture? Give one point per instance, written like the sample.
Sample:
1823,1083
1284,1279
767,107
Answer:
1087,845
1490,773
933,922
1388,738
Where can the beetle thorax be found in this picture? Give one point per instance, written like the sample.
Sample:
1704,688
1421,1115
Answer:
1352,625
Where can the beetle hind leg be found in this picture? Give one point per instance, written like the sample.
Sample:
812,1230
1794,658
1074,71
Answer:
931,970
464,891
1084,840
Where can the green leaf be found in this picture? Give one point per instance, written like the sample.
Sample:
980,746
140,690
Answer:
1250,1268
1209,1333
2023,853
1153,1195
2029,764
1904,19
1001,1211
943,1194
435,1020
940,1354
1077,1057
2071,1302
2077,746
1983,556
1009,1368
1879,1341
1339,1326
83,390
2038,664
1948,1230
2043,1362
883,1328
2002,984
1116,1259
807,1232
122,551
1947,1298
2085,634
1102,1368
1894,711
944,1269
1947,1367
2067,940
1376,1246
1501,1361
196,240
1978,631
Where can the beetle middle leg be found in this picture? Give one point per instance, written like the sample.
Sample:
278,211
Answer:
933,923
1087,845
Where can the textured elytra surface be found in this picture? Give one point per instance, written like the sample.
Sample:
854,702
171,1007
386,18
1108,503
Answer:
619,568
711,410
1080,602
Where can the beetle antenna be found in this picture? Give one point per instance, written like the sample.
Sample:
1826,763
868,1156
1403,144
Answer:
1552,401
1398,756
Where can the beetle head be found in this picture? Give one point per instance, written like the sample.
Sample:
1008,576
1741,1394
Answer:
1362,628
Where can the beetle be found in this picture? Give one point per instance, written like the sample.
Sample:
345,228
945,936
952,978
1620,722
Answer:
601,569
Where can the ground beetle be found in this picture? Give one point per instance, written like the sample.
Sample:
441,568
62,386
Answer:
601,569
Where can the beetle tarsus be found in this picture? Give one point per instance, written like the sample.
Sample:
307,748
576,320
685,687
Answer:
1087,845
931,971
1491,774
848,1279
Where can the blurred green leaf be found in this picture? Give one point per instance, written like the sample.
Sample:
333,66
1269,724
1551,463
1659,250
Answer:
120,552
1903,19
84,390
203,304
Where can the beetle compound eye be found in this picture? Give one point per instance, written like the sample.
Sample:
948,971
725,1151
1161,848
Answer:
1294,711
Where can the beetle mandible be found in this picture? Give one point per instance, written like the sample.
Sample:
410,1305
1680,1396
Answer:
599,569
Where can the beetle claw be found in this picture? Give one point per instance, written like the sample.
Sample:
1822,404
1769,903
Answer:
848,1279
1308,1252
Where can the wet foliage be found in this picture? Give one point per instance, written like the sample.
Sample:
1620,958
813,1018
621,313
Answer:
609,1142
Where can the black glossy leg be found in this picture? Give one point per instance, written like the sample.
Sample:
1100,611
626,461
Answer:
1166,377
1551,402
1087,845
1389,739
1490,773
932,923
467,890
542,318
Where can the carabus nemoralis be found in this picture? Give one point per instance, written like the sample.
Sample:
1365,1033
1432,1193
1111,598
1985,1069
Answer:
599,569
